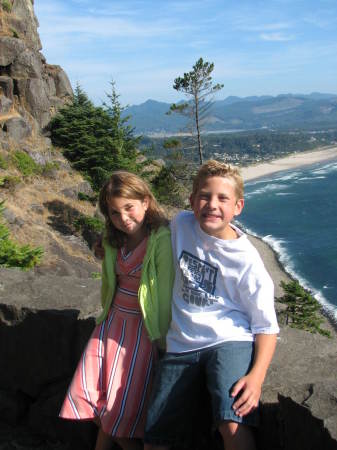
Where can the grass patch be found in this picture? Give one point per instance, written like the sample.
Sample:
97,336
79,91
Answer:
25,164
3,163
28,167
14,255
302,309
9,182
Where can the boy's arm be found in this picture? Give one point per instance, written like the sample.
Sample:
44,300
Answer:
249,387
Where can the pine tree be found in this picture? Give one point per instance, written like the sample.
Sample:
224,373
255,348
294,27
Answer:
198,86
95,139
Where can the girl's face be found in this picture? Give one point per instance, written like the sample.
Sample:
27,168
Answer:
128,215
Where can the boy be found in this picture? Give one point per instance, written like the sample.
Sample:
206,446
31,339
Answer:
223,320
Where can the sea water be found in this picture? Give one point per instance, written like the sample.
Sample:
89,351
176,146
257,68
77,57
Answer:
295,212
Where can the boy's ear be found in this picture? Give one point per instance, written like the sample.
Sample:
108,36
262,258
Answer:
239,206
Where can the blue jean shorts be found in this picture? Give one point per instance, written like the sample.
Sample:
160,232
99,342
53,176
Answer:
179,383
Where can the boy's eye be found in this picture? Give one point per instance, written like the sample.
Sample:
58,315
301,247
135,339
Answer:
203,196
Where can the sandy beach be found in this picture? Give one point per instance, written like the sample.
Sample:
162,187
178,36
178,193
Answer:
289,162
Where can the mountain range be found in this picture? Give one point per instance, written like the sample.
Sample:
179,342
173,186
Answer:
286,111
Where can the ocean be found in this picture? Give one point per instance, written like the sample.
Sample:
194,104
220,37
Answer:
295,212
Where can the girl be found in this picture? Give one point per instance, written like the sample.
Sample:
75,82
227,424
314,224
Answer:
111,382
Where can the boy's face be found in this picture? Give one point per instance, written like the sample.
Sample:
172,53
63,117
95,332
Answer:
215,204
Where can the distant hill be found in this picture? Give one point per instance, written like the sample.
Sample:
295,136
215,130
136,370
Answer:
315,110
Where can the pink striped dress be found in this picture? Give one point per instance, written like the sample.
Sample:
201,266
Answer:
112,380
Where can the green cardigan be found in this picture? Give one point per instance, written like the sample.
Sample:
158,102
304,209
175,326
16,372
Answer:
156,283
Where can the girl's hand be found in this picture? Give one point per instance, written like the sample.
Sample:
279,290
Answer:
98,248
250,392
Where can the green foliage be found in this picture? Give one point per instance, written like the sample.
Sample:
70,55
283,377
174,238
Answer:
302,310
88,198
89,223
198,86
13,255
3,163
25,164
97,140
168,188
6,5
9,182
96,275
14,33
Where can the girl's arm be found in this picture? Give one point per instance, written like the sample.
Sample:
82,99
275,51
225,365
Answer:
249,387
165,279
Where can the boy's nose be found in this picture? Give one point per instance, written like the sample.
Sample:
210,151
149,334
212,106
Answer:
213,203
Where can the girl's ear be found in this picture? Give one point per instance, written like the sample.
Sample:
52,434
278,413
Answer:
146,203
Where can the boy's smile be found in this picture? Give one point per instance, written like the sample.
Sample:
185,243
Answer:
215,204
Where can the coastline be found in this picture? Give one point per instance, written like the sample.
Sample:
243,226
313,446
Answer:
270,258
292,161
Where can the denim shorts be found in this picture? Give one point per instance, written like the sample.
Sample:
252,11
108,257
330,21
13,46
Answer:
177,399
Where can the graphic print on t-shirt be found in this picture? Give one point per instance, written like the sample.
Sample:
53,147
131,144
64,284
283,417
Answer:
199,279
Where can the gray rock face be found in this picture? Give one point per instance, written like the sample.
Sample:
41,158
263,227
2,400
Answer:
5,104
37,88
6,87
10,49
17,128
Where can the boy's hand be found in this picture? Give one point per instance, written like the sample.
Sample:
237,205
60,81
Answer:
249,389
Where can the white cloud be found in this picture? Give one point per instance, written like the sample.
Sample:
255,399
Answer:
276,37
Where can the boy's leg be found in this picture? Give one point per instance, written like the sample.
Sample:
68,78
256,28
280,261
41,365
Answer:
173,401
237,436
225,365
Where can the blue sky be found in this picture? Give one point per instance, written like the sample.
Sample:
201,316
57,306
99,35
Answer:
258,47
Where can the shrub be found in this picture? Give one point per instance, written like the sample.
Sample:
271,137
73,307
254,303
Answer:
302,310
13,255
89,227
6,5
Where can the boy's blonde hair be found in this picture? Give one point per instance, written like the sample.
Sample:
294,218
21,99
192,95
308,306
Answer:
130,186
214,168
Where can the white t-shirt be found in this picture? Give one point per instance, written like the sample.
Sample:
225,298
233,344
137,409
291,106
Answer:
222,291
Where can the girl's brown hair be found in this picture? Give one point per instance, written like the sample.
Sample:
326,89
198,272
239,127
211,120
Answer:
128,185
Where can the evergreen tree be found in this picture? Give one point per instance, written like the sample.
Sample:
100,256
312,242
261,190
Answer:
96,140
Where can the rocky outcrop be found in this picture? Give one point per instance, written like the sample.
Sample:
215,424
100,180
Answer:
45,321
30,89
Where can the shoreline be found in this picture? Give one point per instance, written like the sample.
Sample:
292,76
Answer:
292,161
269,256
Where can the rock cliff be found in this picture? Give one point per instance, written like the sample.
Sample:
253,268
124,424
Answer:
45,321
30,89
